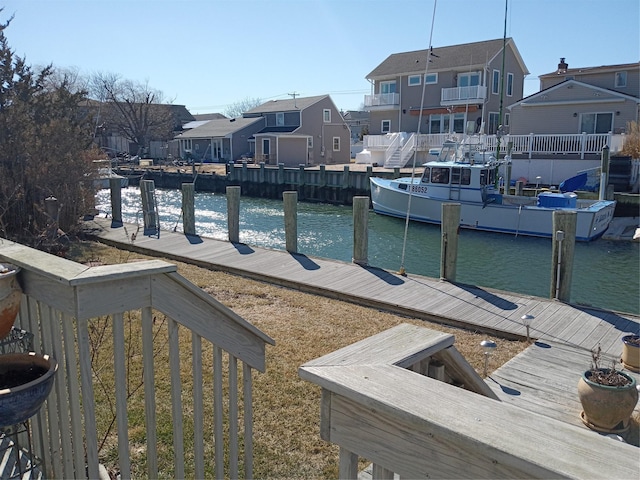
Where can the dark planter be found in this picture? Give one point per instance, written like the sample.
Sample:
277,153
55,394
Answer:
26,380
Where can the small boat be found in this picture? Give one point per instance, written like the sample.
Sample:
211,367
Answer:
105,173
466,175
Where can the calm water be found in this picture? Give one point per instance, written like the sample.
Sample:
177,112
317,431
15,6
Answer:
606,273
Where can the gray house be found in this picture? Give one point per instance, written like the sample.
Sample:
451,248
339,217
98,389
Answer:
301,131
462,87
580,100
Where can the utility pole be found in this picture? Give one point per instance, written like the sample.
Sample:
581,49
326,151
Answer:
294,95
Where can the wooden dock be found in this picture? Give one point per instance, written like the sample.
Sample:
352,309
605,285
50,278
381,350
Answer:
467,306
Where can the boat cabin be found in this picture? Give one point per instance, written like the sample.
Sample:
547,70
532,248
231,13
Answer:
453,181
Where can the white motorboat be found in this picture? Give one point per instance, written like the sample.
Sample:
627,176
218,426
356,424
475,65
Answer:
466,175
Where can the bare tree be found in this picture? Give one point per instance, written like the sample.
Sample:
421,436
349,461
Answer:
238,108
133,110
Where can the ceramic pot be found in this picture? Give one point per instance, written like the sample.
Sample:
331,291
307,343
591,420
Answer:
10,296
26,380
607,408
631,352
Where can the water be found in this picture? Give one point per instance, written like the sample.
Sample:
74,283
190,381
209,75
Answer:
605,274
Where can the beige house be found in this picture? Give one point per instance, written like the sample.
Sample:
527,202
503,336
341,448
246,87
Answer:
301,131
580,100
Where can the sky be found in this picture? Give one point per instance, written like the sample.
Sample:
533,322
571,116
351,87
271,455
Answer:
209,55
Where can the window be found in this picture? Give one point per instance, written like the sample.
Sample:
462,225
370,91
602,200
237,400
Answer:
621,79
414,80
468,79
495,82
426,175
386,126
458,122
460,176
336,144
310,142
509,84
596,122
326,115
440,175
388,87
439,123
507,119
431,78
494,117
280,119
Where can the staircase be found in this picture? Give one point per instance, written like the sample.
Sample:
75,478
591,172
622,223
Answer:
401,153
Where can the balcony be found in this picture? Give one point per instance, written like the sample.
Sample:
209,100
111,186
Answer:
463,95
146,318
382,100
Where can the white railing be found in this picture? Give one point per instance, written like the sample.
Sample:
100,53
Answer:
456,95
141,315
392,147
381,99
407,149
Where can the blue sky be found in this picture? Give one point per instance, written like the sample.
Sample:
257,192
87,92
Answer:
209,54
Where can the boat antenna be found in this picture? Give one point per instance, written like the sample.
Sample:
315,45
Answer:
500,131
402,270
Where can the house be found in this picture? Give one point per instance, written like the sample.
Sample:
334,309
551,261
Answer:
580,100
301,131
454,89
219,140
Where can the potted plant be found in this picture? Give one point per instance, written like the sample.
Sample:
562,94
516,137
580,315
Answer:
10,296
631,352
608,397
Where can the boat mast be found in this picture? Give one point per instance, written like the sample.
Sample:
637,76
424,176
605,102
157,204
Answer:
500,131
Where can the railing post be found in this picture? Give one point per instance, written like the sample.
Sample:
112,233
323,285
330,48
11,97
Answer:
115,186
531,145
360,230
564,240
583,145
449,241
188,209
290,200
233,213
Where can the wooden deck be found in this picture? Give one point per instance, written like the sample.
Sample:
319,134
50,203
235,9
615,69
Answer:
471,307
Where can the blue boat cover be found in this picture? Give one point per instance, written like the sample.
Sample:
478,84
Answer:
574,183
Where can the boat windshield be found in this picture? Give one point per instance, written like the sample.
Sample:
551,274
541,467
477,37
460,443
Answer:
448,153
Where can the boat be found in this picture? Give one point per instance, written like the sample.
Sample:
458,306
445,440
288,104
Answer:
105,173
463,173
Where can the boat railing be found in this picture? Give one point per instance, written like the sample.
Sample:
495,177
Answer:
161,334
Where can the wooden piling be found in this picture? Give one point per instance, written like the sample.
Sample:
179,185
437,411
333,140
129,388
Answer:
449,240
233,213
562,254
290,200
188,209
360,230
147,193
115,186
604,172
519,187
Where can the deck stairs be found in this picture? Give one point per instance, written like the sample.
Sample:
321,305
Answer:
400,151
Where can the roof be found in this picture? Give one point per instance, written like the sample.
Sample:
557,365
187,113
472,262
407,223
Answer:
286,105
466,55
590,70
219,128
209,116
194,124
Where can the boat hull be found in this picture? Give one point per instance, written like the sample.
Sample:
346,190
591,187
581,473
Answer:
530,220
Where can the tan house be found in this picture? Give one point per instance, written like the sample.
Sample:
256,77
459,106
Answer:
301,131
588,100
461,86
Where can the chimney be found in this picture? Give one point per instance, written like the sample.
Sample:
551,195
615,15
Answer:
562,66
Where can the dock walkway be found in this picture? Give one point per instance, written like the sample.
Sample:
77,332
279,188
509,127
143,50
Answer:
466,306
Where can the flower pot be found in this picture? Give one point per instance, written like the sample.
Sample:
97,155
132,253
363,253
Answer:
26,380
10,296
606,408
631,352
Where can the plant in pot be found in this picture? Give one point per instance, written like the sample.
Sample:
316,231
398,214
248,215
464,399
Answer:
631,352
608,397
10,296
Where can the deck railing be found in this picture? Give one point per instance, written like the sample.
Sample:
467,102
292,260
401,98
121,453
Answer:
142,314
407,401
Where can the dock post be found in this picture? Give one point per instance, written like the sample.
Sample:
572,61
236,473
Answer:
396,172
345,177
115,185
564,241
149,214
604,172
301,175
368,175
360,230
280,173
449,241
519,188
290,200
188,209
233,213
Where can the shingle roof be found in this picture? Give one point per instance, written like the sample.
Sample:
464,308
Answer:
601,68
286,105
219,128
467,55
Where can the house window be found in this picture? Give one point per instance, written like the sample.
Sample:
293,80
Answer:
310,142
494,117
468,79
388,87
336,144
414,80
507,119
439,123
495,82
326,115
596,122
280,119
431,78
621,79
458,122
386,126
509,84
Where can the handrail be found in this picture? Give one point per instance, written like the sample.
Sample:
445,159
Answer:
62,305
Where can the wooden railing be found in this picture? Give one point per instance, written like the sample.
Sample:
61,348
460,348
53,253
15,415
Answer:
146,303
408,402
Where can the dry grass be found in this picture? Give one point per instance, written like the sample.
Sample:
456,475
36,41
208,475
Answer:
287,443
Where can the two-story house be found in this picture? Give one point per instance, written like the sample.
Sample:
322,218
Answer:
301,131
587,100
